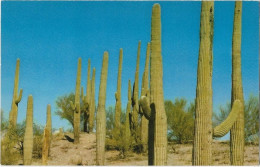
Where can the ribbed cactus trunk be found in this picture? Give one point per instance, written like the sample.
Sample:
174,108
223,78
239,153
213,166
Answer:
158,114
118,94
46,145
203,110
127,121
16,97
135,96
145,92
101,113
28,135
92,102
237,131
76,105
87,117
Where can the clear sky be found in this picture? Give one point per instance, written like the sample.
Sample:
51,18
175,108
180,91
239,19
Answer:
48,37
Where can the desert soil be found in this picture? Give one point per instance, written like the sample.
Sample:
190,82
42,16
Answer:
64,152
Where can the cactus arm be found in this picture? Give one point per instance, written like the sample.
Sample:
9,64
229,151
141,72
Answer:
226,125
145,107
72,105
19,97
82,94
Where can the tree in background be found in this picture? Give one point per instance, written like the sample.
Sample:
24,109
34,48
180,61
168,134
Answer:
180,120
251,117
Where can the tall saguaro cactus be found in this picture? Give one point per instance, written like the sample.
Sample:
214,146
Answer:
16,97
87,100
135,95
101,113
155,112
237,131
76,105
28,135
203,110
145,92
92,102
118,94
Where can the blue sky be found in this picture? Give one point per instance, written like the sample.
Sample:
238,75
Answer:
48,37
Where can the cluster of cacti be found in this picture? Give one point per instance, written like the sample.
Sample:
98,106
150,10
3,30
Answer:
101,113
202,152
89,101
150,107
135,98
28,135
76,105
16,97
118,95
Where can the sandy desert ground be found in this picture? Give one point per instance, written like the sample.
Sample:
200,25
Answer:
64,152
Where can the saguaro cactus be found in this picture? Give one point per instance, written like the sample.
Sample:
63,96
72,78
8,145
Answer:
46,145
203,110
49,126
101,113
127,121
155,112
76,105
118,94
28,135
237,131
16,98
87,100
145,92
135,96
92,102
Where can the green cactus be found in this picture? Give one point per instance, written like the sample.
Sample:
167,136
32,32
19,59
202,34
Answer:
118,94
76,106
101,113
135,106
202,151
28,135
46,145
86,101
127,121
154,110
237,131
49,125
145,92
16,97
92,102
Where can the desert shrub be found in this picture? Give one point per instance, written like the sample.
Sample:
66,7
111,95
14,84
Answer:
180,120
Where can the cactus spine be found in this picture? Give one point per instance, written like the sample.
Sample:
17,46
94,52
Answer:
16,97
237,131
118,94
92,102
101,113
28,135
203,110
76,105
135,95
87,115
145,92
155,113
127,121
